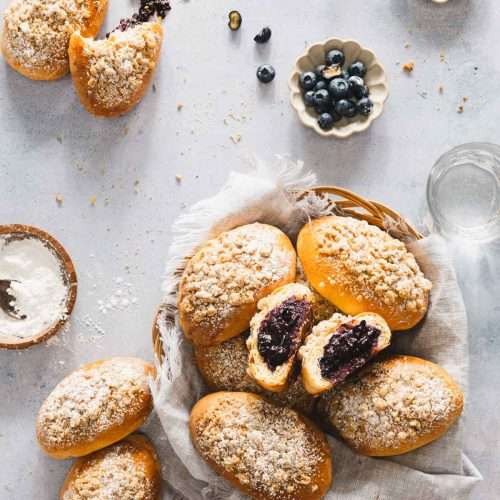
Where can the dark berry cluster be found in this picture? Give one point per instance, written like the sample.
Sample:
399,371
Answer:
335,91
147,10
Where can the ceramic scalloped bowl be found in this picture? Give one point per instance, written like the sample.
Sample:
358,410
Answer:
375,79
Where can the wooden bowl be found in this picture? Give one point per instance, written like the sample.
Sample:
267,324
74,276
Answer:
20,231
341,202
375,78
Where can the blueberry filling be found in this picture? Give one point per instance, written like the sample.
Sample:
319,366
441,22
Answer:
147,10
279,335
348,350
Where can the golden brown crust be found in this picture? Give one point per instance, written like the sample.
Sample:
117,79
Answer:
50,41
224,368
394,406
313,348
92,61
265,451
96,405
277,380
359,268
223,282
70,278
128,470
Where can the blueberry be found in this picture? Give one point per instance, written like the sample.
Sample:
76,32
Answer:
335,58
365,106
325,121
318,70
234,20
358,87
339,88
309,98
266,73
346,108
308,80
322,84
322,99
357,68
263,35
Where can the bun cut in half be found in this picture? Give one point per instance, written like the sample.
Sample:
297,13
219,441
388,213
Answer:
276,333
339,347
393,406
223,282
360,268
266,451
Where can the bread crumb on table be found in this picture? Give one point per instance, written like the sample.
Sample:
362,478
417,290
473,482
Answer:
409,66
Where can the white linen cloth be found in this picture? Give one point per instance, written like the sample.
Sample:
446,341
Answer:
439,471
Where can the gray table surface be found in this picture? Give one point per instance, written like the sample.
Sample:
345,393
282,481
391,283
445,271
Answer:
50,146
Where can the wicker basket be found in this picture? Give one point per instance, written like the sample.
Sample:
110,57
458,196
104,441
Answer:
340,202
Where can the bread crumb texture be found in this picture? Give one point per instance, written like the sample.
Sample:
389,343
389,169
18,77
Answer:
391,405
224,367
118,66
113,473
37,32
89,402
230,271
375,266
267,448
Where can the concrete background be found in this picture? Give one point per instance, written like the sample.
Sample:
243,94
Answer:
50,146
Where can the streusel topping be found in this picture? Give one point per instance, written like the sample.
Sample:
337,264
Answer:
391,404
231,270
114,474
89,402
225,366
37,32
268,448
119,65
375,265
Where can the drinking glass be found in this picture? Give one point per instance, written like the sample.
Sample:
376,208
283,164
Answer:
463,192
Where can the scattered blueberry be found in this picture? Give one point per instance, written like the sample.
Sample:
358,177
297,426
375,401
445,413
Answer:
318,70
266,73
365,106
308,80
309,98
346,108
339,88
357,68
322,84
322,99
263,35
325,121
235,20
335,58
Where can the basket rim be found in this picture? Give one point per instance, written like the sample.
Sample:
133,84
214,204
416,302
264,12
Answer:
350,203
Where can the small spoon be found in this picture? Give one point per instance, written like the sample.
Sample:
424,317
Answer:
7,300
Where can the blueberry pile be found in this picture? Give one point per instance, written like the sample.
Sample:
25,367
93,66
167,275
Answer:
335,91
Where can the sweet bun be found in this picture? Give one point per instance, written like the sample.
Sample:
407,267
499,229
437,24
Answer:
222,283
276,333
128,470
266,451
224,368
393,406
339,347
36,34
95,406
111,75
358,267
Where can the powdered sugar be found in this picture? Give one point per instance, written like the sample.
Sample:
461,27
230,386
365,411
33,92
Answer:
38,284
